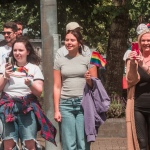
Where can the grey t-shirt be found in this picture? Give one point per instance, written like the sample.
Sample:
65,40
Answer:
72,72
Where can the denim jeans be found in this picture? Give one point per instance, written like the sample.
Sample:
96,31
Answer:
72,125
23,128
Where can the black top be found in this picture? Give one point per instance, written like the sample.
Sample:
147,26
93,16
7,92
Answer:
142,92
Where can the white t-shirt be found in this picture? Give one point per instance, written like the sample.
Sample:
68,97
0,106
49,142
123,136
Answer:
15,85
4,52
126,54
125,57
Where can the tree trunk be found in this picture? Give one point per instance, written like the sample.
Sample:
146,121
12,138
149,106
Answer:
117,45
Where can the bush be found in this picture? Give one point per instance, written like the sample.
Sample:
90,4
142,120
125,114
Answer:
117,107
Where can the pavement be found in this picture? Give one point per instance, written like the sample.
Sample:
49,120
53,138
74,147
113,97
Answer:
109,144
101,144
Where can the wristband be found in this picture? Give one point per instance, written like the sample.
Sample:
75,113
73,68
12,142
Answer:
30,84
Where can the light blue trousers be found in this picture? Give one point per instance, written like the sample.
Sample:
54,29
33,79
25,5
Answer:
72,125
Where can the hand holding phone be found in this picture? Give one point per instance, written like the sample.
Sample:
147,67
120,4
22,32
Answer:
9,60
135,47
8,67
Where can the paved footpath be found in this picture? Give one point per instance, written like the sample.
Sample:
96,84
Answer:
109,144
102,144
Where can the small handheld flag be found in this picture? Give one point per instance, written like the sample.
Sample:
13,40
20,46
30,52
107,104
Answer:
97,60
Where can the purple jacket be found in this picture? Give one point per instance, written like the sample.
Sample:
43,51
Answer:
95,103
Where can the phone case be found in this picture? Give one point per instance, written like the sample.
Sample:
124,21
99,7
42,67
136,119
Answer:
135,47
9,60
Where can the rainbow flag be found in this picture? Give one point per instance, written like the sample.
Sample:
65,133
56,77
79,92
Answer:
97,60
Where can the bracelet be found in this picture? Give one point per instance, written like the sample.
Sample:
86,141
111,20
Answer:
30,84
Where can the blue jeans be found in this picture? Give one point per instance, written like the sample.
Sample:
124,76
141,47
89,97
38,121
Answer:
72,125
23,128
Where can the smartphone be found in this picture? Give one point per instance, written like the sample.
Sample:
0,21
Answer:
135,47
9,60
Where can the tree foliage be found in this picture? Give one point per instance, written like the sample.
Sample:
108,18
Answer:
26,11
92,15
95,16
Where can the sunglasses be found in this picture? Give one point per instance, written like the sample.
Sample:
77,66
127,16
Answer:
8,33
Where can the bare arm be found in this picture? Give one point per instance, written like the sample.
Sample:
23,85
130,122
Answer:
36,86
56,94
5,77
3,82
132,74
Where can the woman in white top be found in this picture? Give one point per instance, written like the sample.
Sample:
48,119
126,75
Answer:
21,83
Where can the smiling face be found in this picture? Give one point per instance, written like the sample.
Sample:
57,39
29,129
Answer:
9,35
71,43
20,53
145,42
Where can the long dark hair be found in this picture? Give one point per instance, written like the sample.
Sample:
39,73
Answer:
79,37
32,57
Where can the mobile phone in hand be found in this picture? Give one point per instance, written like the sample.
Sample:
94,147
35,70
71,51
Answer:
135,47
9,60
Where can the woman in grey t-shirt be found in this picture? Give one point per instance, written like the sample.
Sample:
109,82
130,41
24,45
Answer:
71,73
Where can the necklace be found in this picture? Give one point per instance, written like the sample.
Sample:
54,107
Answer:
21,69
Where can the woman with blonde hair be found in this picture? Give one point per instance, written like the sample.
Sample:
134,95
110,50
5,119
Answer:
138,103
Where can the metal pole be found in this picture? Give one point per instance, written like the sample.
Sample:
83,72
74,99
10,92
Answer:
48,30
